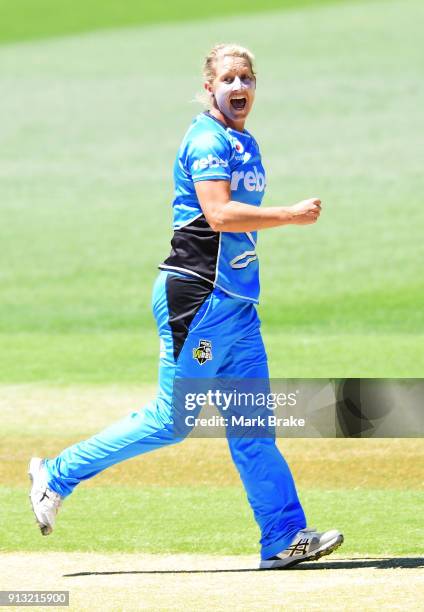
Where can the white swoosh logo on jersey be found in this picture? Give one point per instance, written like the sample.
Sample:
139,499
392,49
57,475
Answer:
247,256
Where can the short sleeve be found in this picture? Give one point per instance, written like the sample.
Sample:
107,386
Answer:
208,157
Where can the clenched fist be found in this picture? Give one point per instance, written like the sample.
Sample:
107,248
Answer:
306,211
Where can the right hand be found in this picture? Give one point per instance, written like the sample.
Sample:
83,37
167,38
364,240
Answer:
306,211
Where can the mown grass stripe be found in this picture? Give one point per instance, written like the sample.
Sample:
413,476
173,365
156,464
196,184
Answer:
208,519
27,20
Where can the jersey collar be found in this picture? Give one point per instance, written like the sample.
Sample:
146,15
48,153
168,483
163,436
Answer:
226,127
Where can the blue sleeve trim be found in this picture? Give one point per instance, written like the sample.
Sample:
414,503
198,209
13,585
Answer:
211,177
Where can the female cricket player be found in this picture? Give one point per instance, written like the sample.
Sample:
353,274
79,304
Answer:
204,303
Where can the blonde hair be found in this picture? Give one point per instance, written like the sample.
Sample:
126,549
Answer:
209,64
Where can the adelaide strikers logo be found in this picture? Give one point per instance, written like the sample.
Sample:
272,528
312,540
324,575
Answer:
203,352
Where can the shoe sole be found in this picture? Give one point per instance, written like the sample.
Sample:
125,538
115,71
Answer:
45,529
327,549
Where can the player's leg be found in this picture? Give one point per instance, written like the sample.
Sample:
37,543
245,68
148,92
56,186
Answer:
265,474
177,304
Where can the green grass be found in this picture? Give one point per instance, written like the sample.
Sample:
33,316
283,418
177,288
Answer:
27,19
131,357
207,520
93,124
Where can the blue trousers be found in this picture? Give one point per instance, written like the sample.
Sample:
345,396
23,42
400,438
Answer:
235,349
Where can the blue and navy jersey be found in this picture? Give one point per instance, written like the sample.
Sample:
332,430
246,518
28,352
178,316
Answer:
212,151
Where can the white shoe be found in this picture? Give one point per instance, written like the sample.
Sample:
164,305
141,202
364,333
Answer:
307,545
45,502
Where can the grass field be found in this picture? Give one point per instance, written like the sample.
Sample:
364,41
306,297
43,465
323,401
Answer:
95,121
93,114
47,18
172,530
194,487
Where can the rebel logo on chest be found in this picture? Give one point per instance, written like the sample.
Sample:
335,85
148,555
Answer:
252,180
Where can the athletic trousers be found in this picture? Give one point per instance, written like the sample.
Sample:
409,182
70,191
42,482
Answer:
205,333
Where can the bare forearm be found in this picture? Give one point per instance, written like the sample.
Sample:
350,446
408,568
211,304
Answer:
239,217
226,215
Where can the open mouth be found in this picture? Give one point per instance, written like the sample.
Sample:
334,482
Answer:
238,103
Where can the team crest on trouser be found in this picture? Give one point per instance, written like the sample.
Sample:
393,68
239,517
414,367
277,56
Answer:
203,352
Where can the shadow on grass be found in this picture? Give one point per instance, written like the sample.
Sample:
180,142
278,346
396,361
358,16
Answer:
394,563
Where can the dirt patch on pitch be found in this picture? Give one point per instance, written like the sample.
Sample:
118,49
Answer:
205,582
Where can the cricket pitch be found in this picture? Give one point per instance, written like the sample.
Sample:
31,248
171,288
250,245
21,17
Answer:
207,582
